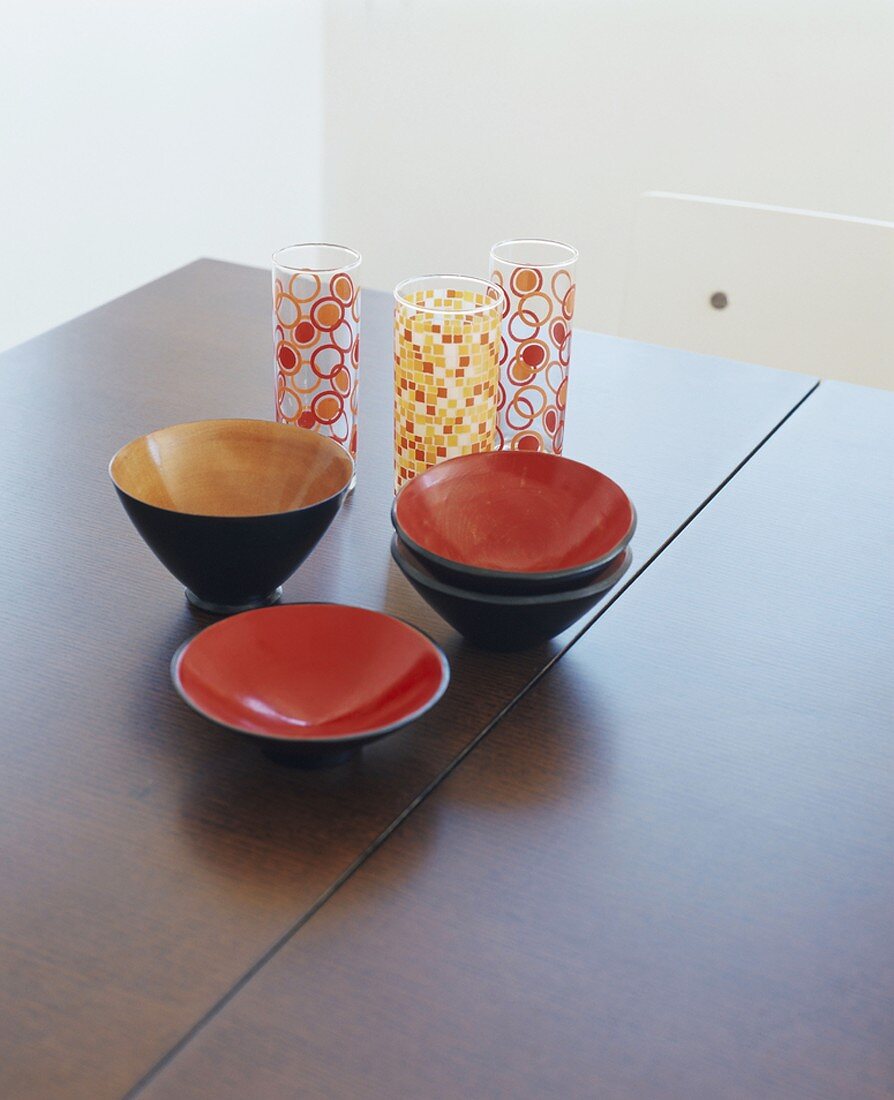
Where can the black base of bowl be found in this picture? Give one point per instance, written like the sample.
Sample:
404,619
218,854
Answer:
231,562
309,756
504,622
233,609
510,584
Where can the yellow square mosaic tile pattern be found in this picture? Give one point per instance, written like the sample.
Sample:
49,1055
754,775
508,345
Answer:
446,378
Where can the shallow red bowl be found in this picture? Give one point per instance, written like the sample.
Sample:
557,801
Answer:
511,521
313,681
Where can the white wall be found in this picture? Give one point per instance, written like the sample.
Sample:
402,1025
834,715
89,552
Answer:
450,126
137,135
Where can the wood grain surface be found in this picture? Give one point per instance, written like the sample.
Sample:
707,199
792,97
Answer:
669,871
150,860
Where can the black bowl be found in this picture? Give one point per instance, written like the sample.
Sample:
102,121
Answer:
496,621
232,507
514,522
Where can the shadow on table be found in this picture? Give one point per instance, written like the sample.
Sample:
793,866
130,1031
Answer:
257,822
545,751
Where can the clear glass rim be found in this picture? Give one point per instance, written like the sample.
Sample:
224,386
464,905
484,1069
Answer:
571,252
354,257
485,284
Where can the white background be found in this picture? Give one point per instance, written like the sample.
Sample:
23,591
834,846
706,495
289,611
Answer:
140,134
572,109
137,135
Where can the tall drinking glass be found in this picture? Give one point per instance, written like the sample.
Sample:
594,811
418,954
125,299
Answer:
539,280
446,370
316,332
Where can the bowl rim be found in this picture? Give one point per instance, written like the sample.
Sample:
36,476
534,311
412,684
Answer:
538,599
511,574
366,735
231,420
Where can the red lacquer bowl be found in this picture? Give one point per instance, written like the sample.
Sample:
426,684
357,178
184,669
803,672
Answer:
513,521
313,681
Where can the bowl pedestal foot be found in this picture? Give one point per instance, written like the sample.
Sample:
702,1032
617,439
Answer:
307,756
233,609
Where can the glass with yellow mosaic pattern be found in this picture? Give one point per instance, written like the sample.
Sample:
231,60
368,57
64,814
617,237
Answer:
538,277
446,370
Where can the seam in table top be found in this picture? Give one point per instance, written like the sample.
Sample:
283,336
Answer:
191,1033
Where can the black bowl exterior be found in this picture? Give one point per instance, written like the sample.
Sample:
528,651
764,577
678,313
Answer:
231,561
302,756
316,754
506,622
509,584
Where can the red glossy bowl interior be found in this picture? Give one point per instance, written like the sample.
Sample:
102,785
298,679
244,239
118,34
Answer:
514,511
310,671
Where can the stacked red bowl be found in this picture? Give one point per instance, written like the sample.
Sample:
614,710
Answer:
512,547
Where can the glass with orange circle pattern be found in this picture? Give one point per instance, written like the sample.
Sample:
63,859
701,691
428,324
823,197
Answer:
316,333
538,278
446,370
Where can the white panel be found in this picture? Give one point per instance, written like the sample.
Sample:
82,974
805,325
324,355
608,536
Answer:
450,126
806,291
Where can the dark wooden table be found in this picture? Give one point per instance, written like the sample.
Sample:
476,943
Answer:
668,871
154,867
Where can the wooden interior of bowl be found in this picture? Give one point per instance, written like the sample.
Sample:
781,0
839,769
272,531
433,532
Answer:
231,468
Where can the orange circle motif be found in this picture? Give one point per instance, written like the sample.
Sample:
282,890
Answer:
287,310
342,288
536,308
327,314
304,286
326,407
568,304
525,280
341,379
520,372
